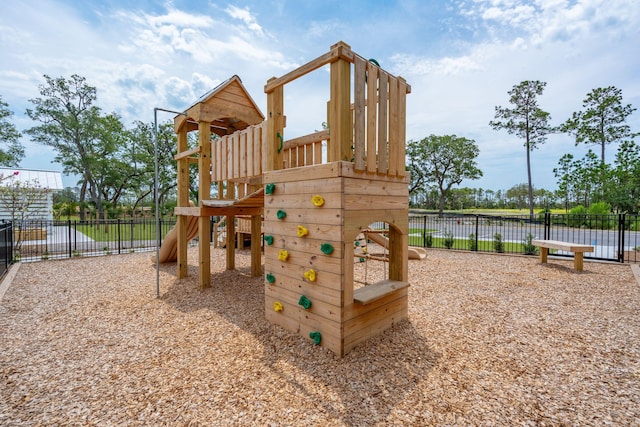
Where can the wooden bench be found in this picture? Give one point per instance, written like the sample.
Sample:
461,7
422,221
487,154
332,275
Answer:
577,249
373,292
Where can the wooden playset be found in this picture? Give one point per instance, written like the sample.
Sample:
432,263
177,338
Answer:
313,203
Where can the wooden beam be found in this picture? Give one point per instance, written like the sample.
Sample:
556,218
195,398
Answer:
340,131
275,129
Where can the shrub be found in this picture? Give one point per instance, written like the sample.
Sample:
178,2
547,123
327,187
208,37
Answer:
599,215
473,242
498,246
577,216
448,240
527,246
428,240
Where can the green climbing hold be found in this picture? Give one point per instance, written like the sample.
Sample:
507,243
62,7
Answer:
269,188
357,243
326,248
316,337
304,302
271,278
269,240
362,259
281,214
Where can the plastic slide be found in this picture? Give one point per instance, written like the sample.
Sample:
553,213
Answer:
169,248
414,252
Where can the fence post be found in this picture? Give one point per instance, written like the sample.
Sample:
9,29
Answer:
119,239
621,234
477,230
547,225
424,231
69,237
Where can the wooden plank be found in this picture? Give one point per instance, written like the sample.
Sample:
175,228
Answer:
243,154
249,153
340,131
307,260
358,317
187,153
330,295
339,50
300,216
317,153
565,246
306,189
359,113
301,326
394,141
224,160
308,155
310,173
309,245
368,202
300,160
327,314
255,199
257,150
402,126
286,200
372,108
319,231
305,140
275,128
368,294
373,187
383,95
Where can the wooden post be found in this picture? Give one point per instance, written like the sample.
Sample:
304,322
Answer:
204,193
340,131
256,253
183,201
231,242
275,128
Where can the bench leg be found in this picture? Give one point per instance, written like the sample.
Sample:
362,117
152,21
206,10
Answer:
577,261
543,254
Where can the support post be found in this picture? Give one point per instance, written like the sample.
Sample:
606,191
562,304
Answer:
204,193
340,130
256,253
275,128
183,201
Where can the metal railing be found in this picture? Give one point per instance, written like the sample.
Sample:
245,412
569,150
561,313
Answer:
614,237
42,239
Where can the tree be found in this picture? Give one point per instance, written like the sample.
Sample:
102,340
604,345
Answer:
625,193
69,121
526,120
443,160
603,121
11,150
23,201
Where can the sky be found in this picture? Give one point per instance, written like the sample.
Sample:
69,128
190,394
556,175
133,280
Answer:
460,57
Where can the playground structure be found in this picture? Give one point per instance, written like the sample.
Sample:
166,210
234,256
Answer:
312,209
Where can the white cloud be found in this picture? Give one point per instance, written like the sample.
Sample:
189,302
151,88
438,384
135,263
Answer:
245,16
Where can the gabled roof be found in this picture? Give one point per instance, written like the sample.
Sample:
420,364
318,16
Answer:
51,180
228,107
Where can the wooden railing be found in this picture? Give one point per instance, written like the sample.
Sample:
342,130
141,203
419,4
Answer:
368,130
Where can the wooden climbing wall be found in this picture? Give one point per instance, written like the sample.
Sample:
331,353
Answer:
318,240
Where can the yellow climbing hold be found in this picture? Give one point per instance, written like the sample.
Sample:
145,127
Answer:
317,200
283,255
277,306
310,275
302,231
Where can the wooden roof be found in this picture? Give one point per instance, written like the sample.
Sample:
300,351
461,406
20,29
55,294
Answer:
228,108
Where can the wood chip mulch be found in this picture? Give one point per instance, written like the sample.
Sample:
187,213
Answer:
490,341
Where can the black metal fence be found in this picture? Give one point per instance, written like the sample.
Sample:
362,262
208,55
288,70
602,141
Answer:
41,239
6,247
614,237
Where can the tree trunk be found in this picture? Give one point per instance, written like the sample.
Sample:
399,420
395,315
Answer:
529,179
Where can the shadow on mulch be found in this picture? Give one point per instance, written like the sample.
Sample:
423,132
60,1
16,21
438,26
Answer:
370,379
